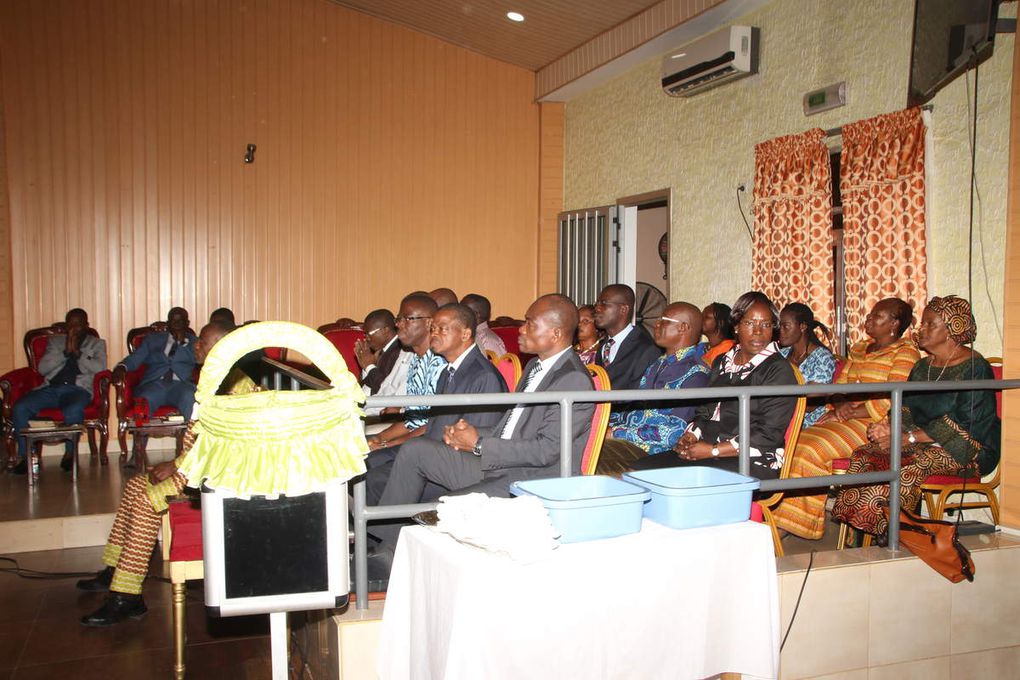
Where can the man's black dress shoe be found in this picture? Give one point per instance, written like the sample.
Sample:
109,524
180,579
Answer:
99,582
116,608
66,463
21,468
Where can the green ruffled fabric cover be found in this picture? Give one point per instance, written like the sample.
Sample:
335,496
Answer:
272,443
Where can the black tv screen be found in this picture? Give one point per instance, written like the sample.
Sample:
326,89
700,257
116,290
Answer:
950,36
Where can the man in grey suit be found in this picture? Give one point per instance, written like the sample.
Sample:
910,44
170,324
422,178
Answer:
524,444
468,372
68,367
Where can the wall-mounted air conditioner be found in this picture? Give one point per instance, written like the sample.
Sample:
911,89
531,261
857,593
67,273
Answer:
711,61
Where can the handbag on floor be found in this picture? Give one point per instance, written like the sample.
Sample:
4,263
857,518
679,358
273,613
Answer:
937,543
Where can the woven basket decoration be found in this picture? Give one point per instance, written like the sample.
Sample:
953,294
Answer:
272,443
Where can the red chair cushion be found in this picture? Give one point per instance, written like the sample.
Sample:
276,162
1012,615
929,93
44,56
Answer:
756,513
186,523
950,479
841,464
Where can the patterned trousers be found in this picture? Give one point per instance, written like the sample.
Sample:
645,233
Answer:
133,535
865,507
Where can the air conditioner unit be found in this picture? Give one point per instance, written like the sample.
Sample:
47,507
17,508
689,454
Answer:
708,62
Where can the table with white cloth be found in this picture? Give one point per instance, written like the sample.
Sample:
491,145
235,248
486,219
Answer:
661,603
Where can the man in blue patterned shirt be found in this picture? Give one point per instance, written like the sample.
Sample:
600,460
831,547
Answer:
654,427
414,326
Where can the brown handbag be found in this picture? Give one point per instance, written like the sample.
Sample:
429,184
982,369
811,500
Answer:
937,543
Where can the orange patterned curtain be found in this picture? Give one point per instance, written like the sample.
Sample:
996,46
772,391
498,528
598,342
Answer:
791,259
882,185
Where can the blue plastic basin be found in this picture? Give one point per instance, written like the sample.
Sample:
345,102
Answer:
587,508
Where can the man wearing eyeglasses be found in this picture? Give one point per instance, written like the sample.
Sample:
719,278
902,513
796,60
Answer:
468,371
377,353
627,350
523,444
414,325
654,427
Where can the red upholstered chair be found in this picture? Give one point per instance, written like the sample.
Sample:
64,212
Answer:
599,422
165,422
182,555
507,330
15,384
509,366
343,337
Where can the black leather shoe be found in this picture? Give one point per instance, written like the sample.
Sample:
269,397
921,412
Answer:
98,583
118,607
66,463
21,468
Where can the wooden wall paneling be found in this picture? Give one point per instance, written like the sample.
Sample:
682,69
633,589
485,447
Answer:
550,195
387,161
1010,465
7,343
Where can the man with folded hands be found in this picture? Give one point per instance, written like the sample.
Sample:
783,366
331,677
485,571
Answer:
467,371
643,429
523,444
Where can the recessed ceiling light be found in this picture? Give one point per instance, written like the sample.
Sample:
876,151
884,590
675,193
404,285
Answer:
515,16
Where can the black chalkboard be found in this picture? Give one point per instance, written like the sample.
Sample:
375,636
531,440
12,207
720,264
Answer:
275,547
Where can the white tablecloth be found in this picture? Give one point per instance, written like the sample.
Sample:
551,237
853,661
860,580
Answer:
657,604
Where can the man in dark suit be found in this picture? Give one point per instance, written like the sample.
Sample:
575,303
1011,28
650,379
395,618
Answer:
468,372
523,444
169,361
378,352
627,350
68,367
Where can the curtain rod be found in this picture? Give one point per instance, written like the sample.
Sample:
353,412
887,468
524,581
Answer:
837,131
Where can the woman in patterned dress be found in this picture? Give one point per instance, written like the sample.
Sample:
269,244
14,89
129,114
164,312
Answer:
588,336
886,356
798,338
944,433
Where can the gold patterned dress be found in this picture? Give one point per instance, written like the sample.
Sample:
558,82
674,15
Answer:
819,445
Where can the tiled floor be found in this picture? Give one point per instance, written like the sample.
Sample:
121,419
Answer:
55,495
40,636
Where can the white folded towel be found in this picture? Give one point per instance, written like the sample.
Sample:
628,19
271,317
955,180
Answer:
517,527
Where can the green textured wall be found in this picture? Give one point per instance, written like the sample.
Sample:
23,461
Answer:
627,137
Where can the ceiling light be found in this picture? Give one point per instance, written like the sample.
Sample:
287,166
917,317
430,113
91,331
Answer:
515,16
679,55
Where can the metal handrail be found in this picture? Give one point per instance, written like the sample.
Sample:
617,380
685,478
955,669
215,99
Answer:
362,513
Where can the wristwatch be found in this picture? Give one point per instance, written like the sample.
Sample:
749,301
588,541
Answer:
715,451
477,450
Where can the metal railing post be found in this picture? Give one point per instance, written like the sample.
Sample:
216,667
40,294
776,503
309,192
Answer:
360,545
566,438
745,434
895,465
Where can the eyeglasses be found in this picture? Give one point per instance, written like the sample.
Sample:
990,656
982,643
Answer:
407,319
373,331
757,325
606,303
669,319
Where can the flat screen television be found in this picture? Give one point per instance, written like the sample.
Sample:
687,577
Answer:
950,36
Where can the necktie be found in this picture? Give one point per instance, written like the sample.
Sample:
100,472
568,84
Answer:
169,376
450,370
515,414
606,348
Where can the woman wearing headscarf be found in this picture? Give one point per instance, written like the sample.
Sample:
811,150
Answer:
884,356
944,433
